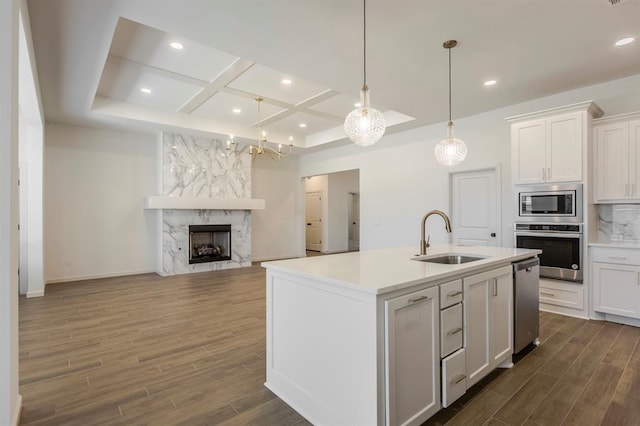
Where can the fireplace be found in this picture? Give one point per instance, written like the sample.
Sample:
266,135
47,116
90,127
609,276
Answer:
209,243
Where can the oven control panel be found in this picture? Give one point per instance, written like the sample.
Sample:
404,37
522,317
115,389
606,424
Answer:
548,227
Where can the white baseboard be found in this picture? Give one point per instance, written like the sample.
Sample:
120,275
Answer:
622,320
38,293
561,310
97,276
267,259
17,412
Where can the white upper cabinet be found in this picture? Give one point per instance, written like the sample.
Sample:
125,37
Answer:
548,146
617,159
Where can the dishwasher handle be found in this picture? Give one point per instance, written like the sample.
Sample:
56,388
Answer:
527,265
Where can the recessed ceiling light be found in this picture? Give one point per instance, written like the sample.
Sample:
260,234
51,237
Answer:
490,82
145,90
303,125
236,110
624,41
357,105
286,81
176,45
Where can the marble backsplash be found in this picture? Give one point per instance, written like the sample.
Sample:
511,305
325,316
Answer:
619,223
201,168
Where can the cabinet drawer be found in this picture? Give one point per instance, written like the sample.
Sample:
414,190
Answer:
450,293
615,255
454,377
451,330
562,294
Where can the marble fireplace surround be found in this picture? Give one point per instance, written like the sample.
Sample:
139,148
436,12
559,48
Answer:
202,185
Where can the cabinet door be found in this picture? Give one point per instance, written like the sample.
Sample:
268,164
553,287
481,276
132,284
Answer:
476,320
564,148
501,321
412,357
634,159
612,162
528,147
616,289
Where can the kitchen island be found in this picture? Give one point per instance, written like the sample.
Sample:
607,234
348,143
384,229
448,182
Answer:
361,338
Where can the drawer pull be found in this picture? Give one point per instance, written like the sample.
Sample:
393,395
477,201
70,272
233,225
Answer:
454,331
454,293
626,189
617,257
547,294
458,379
419,299
639,278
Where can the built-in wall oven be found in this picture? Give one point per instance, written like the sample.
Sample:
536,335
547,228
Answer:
561,246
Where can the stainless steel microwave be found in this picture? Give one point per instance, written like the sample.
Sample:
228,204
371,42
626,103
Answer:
549,203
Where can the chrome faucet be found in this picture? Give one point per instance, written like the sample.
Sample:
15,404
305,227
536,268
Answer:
424,244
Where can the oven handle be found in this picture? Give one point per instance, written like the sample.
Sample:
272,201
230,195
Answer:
576,235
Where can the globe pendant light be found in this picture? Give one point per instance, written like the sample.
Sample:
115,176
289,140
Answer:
364,125
450,151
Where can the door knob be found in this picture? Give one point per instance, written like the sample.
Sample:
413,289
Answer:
493,234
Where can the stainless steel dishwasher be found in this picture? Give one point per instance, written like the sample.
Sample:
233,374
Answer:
526,301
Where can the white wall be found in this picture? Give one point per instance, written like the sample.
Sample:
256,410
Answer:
31,158
9,397
275,230
400,179
95,182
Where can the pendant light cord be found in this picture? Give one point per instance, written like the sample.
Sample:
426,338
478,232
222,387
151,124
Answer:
364,27
449,84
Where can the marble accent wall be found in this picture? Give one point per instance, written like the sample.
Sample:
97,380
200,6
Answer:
619,223
201,168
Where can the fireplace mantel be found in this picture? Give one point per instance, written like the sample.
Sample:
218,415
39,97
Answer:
157,202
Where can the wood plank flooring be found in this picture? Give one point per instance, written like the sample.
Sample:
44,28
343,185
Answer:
191,350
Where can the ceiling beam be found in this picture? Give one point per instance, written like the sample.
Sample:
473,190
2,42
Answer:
233,71
119,60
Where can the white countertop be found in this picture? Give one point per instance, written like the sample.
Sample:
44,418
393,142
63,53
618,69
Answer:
385,270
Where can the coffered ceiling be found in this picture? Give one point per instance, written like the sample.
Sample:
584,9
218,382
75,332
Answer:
110,63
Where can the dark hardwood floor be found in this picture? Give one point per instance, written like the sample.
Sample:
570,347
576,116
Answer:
191,350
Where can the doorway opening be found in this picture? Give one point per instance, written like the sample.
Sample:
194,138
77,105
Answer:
332,213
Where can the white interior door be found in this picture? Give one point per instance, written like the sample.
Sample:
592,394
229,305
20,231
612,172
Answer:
354,222
313,220
475,204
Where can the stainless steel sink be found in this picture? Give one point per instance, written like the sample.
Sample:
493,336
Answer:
449,259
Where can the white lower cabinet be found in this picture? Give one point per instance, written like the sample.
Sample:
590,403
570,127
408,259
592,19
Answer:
454,377
488,319
431,355
616,281
412,357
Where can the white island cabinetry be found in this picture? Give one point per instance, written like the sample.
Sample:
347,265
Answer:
488,312
355,338
412,355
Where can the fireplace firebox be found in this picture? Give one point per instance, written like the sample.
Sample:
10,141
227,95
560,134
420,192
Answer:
209,243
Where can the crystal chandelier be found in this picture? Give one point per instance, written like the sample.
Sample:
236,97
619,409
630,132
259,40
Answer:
262,147
364,125
450,151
